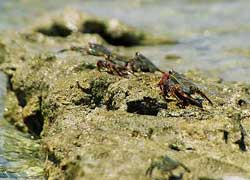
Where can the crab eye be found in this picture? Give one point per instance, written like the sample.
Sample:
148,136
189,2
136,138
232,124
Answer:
137,54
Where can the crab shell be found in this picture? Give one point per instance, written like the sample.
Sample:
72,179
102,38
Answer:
170,85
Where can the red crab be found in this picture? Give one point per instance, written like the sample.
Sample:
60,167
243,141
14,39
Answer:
115,64
112,67
174,84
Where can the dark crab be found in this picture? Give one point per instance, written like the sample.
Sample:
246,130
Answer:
166,165
92,49
174,84
141,63
98,50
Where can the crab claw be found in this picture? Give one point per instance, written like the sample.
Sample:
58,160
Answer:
165,77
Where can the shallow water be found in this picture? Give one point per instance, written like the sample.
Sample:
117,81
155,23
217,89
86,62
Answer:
213,35
20,156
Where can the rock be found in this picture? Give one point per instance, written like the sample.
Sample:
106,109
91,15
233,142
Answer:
95,125
13,112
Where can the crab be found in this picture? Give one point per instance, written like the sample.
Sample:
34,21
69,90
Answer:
92,49
166,165
141,63
82,50
114,63
98,50
175,84
112,67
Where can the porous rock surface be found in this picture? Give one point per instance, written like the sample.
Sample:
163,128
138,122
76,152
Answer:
95,125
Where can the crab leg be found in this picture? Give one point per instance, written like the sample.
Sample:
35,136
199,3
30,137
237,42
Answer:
149,171
185,99
204,96
185,167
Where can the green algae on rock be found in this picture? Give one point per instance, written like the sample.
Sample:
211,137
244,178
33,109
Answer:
95,125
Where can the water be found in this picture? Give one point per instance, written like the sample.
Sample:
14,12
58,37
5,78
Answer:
214,35
20,156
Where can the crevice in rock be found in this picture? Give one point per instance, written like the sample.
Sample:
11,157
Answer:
123,38
120,39
20,94
20,97
146,106
241,141
9,84
52,157
86,100
8,72
225,136
94,27
109,103
34,123
94,94
55,30
35,120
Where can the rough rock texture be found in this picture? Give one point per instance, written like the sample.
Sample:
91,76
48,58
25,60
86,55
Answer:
99,126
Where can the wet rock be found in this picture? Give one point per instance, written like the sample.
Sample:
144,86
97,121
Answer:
13,112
